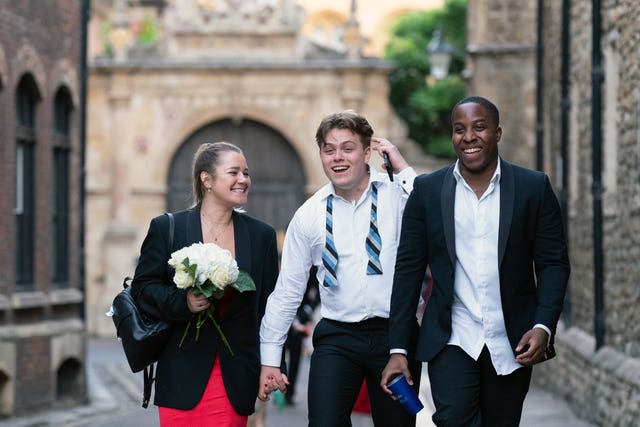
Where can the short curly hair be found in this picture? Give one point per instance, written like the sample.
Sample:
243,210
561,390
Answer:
348,119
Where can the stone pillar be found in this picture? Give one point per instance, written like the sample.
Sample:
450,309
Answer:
118,263
119,234
501,60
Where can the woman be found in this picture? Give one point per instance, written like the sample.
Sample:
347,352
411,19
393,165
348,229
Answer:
201,382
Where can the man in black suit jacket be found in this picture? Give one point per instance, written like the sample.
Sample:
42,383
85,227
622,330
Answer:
491,233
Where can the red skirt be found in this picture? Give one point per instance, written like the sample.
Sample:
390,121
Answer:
362,404
213,409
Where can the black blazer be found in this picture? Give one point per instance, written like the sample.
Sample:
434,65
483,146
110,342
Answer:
532,254
182,373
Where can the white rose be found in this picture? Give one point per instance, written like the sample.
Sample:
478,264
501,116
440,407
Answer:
233,270
177,257
202,274
182,279
194,254
220,278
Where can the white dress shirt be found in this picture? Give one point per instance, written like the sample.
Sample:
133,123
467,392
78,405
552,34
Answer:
357,296
476,314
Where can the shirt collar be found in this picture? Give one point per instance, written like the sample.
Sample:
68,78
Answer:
495,178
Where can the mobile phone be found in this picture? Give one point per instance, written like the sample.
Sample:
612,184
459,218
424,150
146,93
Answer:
387,164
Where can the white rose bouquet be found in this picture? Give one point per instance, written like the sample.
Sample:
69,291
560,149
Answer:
208,269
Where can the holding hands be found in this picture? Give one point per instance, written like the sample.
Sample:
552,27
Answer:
271,379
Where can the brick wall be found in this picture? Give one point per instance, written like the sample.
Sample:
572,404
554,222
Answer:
33,385
42,39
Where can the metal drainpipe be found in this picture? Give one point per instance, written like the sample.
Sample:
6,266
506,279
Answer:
597,77
564,136
85,10
86,6
539,88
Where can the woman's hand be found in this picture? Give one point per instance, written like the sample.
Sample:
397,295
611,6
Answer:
198,303
271,379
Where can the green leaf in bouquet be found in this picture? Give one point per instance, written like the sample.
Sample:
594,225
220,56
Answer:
198,290
244,282
191,268
207,291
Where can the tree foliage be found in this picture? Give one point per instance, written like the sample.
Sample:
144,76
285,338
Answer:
425,103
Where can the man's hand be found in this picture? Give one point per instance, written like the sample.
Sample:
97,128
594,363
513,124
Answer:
383,145
397,364
532,346
271,379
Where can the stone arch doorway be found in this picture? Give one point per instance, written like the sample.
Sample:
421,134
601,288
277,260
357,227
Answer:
277,178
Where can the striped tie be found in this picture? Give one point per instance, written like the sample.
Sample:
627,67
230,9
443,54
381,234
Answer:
374,242
329,254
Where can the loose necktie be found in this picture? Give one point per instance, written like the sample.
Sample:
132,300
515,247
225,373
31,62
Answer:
374,242
329,254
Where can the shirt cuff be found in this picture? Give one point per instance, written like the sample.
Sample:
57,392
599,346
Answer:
398,350
270,355
547,330
405,177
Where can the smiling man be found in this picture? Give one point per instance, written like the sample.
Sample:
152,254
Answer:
492,235
349,230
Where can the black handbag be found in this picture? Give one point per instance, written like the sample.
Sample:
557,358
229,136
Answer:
143,338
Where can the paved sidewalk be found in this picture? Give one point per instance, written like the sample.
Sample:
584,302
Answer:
541,408
115,394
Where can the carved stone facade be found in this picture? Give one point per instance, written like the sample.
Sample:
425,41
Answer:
601,384
236,70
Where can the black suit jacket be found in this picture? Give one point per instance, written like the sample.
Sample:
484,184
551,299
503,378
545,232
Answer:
532,255
182,373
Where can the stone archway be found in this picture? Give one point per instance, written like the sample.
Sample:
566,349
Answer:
278,180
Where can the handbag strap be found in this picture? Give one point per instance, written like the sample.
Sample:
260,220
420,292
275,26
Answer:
148,381
171,229
149,371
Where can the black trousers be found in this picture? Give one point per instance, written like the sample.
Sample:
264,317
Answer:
344,355
470,393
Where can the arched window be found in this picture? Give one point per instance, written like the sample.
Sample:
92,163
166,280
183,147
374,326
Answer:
69,382
27,98
62,110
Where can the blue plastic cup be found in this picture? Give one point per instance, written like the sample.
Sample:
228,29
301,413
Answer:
405,394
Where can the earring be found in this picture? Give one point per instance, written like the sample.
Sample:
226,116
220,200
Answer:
209,190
